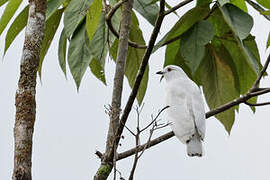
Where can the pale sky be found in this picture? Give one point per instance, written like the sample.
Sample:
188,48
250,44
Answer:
70,126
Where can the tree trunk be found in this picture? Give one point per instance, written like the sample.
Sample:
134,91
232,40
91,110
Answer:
25,96
111,144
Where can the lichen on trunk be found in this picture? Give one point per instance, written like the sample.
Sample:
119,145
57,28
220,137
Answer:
25,95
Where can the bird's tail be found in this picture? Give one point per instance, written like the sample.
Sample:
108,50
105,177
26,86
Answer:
194,146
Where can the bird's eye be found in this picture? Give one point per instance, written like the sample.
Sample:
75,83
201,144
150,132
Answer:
169,69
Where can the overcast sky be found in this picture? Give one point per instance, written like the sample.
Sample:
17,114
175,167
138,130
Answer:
70,126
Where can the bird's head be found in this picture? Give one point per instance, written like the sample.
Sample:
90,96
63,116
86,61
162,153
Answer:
171,72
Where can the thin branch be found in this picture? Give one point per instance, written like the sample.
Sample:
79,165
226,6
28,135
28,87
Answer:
147,145
257,81
257,104
258,8
163,109
108,18
181,4
142,68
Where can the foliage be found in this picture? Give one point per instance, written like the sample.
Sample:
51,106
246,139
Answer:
211,42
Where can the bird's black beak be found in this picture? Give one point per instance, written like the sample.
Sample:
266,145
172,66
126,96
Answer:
160,73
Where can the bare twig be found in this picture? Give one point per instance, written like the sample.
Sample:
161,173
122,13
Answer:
256,83
257,104
181,4
258,8
163,109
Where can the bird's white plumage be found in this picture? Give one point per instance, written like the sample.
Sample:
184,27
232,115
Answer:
186,113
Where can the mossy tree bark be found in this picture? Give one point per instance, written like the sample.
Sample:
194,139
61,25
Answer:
25,96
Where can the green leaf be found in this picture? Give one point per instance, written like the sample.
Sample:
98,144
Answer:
147,9
240,22
187,20
74,14
97,68
235,19
16,27
79,55
222,2
193,41
2,2
134,58
52,6
218,79
8,13
268,41
241,4
62,46
92,18
51,26
264,3
173,56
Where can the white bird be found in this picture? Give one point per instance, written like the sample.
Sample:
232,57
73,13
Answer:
186,113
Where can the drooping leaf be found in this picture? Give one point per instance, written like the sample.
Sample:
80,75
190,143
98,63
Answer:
134,58
234,19
51,26
193,42
218,82
62,46
241,4
52,6
74,14
2,2
268,41
147,9
97,68
8,13
240,22
187,20
16,27
92,18
79,55
264,3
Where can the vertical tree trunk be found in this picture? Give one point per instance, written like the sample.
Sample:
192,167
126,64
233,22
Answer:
111,144
25,96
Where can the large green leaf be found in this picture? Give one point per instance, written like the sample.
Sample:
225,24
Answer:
218,79
99,48
97,68
147,9
264,3
173,56
2,2
92,18
16,27
240,22
193,42
51,26
241,4
74,15
62,46
134,58
79,55
9,11
226,26
52,6
187,20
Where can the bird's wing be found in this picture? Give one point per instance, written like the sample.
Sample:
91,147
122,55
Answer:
198,111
